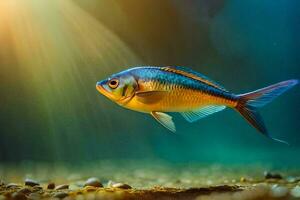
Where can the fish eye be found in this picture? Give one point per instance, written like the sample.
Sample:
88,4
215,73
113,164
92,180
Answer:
113,83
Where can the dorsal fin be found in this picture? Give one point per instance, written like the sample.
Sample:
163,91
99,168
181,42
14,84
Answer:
194,75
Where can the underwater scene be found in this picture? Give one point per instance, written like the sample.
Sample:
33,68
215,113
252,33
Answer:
145,99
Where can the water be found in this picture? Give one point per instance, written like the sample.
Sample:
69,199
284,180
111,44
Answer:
53,52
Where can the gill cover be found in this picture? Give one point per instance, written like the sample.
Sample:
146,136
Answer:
126,90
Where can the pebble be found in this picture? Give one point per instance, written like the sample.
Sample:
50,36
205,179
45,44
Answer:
12,185
292,179
24,191
90,188
37,187
243,179
295,192
121,186
95,182
62,187
60,195
261,185
31,182
279,191
51,186
18,196
269,175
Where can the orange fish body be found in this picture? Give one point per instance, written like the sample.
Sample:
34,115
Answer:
175,99
159,90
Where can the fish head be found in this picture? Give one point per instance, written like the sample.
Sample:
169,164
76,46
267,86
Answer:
119,88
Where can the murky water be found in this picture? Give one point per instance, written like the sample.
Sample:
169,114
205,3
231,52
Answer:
53,52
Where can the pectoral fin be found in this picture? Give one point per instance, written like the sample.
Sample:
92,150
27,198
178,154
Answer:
165,120
150,97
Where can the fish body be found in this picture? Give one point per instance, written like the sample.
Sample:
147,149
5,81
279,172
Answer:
175,92
159,90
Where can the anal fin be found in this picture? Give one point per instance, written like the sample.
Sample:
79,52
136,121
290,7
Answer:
165,120
194,115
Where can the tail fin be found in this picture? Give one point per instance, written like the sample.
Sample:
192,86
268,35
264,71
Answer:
250,102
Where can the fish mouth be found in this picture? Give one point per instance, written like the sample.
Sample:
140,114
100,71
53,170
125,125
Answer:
100,88
103,91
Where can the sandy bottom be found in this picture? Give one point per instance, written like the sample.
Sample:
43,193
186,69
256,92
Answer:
147,180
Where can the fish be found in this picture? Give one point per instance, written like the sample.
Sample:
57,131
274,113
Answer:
159,91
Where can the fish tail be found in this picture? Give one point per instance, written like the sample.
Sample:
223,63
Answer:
249,103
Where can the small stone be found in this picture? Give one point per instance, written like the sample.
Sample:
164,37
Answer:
261,185
95,182
62,187
38,187
51,186
295,192
90,188
121,186
243,179
279,191
31,182
60,195
18,196
269,175
24,191
292,179
12,185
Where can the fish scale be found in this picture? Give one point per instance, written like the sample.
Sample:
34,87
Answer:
186,97
198,92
